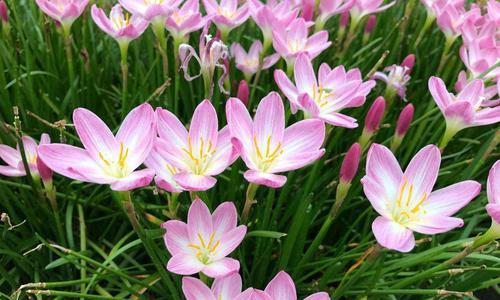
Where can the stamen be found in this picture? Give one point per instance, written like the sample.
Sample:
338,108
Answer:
422,200
103,159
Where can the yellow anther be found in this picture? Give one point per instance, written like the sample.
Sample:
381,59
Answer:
103,159
422,200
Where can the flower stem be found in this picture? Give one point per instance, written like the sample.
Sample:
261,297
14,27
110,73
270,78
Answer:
177,77
250,200
83,246
159,33
66,30
450,132
124,67
428,22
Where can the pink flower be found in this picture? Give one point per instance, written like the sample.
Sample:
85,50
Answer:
465,109
223,288
106,159
185,20
397,76
291,41
226,15
248,63
154,11
15,167
120,27
330,8
494,11
493,191
203,243
63,11
479,57
406,202
197,155
213,54
158,161
281,287
364,8
324,98
271,15
266,146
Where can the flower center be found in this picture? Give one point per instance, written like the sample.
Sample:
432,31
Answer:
119,22
178,18
226,13
205,251
405,211
116,168
200,160
321,95
149,2
267,157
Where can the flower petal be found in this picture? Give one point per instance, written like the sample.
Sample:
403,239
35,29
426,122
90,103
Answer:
184,264
10,155
422,171
195,289
447,201
436,224
193,182
134,180
393,236
269,121
440,93
282,287
240,122
269,180
204,126
221,267
303,136
224,218
493,185
318,296
176,237
227,287
199,221
305,79
230,241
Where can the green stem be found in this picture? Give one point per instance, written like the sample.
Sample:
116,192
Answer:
83,246
448,135
67,294
446,50
124,68
249,201
66,30
159,32
177,77
429,19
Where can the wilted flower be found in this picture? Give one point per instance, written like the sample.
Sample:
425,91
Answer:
324,98
213,53
185,20
249,63
106,159
266,146
406,202
195,156
63,11
397,77
202,244
226,14
122,28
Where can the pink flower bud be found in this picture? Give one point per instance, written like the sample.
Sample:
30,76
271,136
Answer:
344,19
409,62
374,115
370,23
350,164
44,171
243,92
307,9
4,12
404,120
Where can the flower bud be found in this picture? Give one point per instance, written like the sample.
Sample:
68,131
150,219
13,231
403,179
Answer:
307,9
374,115
344,19
243,92
404,120
43,170
370,24
409,62
4,12
350,164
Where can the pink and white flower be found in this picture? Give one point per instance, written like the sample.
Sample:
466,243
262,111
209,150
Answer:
196,155
154,11
324,98
330,8
271,15
202,244
249,63
293,40
122,28
465,109
406,202
185,20
13,158
266,146
63,11
226,14
223,288
106,159
364,8
493,191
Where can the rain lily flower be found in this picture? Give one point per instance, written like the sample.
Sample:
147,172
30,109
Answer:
63,11
226,15
450,19
203,243
397,77
330,8
223,288
406,202
122,28
324,98
463,110
185,20
291,41
15,167
249,63
164,178
195,156
266,146
154,11
271,15
106,159
213,54
364,8
479,57
493,190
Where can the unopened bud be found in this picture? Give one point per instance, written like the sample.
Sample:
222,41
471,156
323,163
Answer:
375,114
370,24
44,171
4,12
344,19
350,164
307,9
409,62
404,120
243,92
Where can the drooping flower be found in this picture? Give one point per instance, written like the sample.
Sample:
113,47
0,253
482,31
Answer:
249,63
106,159
202,244
185,20
465,109
362,8
271,15
406,202
63,11
226,14
154,11
493,191
15,167
213,54
324,98
293,40
266,146
397,77
223,288
198,155
122,28
330,8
